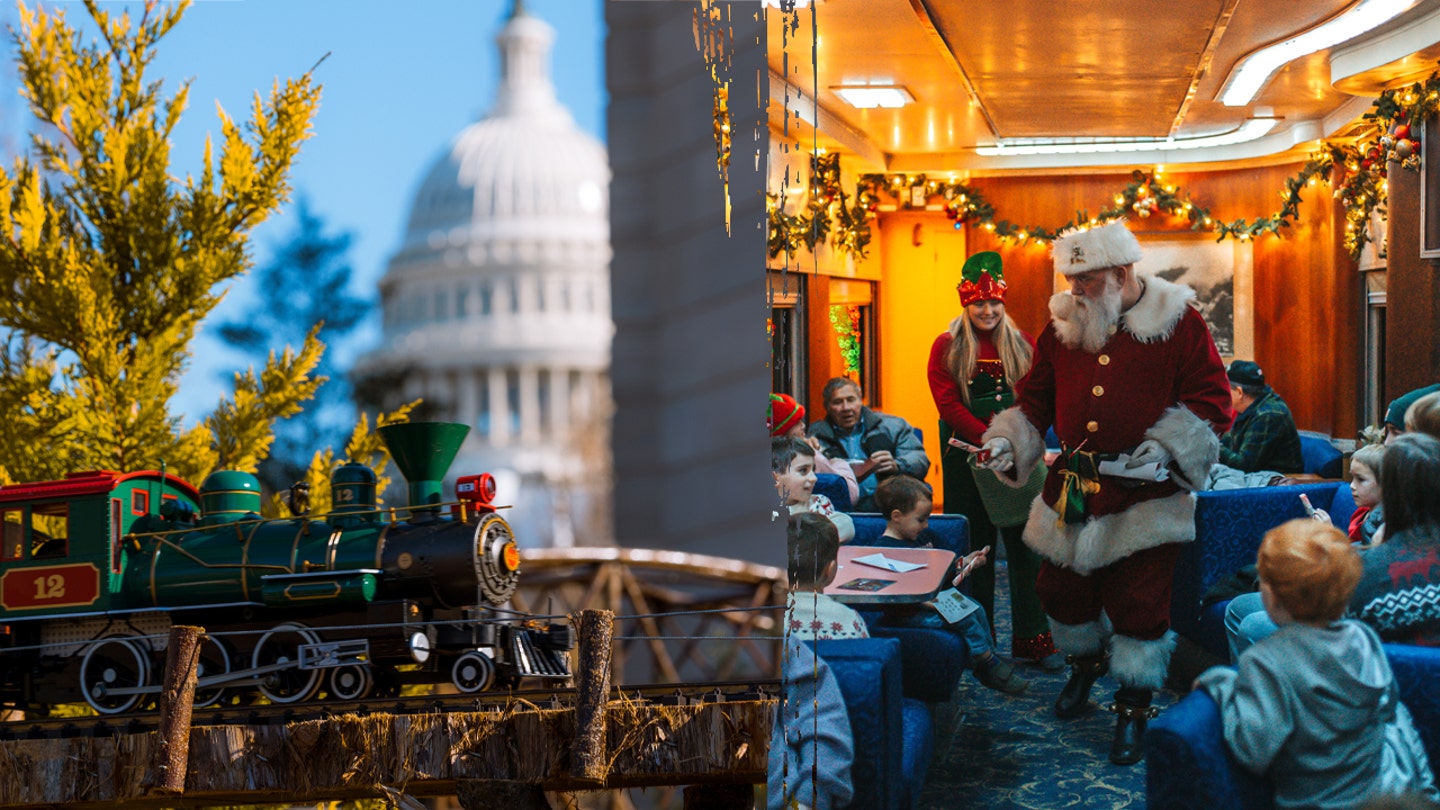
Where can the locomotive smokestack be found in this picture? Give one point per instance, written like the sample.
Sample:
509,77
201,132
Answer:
423,451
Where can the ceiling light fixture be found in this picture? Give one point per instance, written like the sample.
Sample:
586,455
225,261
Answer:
865,97
1249,131
1251,73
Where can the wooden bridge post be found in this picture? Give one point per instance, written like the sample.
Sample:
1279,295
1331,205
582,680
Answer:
177,699
588,754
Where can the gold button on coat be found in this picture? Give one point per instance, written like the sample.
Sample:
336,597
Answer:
1098,391
1092,426
1104,360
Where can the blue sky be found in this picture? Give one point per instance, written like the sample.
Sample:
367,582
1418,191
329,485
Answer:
401,80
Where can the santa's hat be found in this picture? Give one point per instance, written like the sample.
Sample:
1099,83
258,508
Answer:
1079,250
981,279
784,412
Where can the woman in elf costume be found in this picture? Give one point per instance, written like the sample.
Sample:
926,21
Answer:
972,371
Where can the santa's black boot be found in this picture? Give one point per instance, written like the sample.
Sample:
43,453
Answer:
1132,710
1084,671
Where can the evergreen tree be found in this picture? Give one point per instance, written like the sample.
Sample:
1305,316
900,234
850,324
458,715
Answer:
305,286
109,262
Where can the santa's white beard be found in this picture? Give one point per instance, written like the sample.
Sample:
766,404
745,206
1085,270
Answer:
1086,323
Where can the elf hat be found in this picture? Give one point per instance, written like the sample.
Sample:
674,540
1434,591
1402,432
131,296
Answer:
981,279
1081,250
783,414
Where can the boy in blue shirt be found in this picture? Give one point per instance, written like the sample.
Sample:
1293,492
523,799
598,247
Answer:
906,503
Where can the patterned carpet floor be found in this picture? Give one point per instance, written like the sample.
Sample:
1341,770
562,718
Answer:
1000,751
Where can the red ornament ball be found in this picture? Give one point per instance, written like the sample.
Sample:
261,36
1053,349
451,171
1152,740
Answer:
1402,132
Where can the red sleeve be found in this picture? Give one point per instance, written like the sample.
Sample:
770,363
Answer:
1035,393
1201,382
1356,521
946,393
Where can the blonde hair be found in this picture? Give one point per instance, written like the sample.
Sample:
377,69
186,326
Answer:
1371,455
1010,344
1423,415
1310,567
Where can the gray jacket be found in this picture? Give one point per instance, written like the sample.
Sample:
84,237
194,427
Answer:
1317,710
878,431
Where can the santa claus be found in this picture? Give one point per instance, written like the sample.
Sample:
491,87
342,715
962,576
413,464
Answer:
1129,376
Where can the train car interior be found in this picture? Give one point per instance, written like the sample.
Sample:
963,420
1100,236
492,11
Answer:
1281,159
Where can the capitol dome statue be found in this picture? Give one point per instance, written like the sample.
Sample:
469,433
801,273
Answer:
496,305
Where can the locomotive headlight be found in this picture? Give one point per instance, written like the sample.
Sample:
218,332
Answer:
419,647
510,556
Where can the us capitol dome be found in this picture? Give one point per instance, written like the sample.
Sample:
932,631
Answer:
496,306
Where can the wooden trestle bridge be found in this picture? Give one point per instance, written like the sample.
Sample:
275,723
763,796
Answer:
643,617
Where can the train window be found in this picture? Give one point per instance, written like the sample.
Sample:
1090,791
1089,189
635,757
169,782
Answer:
12,530
139,502
116,516
49,530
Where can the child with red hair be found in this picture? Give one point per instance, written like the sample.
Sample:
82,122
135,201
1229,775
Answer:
1314,706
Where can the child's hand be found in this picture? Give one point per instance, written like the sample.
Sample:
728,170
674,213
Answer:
1321,515
969,561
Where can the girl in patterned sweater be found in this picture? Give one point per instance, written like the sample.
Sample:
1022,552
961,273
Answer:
1399,591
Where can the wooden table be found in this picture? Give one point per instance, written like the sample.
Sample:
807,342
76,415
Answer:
913,586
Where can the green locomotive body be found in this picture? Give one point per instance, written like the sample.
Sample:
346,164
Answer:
95,568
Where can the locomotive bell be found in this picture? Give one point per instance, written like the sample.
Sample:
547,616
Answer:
423,451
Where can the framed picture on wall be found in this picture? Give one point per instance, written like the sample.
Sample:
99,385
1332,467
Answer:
1430,190
1220,274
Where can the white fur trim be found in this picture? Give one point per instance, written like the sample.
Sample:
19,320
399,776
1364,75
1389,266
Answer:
1078,250
1079,639
1026,442
1099,541
1141,664
1155,315
1192,445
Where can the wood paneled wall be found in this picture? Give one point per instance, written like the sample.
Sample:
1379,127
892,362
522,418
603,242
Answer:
1308,300
1412,342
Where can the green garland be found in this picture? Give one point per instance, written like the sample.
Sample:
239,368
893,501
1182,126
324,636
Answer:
829,214
813,225
845,319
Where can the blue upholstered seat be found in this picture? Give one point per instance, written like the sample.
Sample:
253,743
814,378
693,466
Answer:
1188,764
833,487
1319,457
933,659
894,736
1229,525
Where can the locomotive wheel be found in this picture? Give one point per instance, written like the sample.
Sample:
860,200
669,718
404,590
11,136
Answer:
281,645
214,660
473,672
109,664
351,682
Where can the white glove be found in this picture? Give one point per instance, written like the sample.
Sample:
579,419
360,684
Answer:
1002,455
1149,452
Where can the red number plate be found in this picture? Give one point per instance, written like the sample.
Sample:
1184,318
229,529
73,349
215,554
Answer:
50,586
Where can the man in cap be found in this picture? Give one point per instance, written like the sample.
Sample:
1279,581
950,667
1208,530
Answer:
1264,435
1129,376
1395,414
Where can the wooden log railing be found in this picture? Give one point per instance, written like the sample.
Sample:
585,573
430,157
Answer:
501,758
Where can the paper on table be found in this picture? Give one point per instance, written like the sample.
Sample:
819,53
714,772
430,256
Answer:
1144,472
885,563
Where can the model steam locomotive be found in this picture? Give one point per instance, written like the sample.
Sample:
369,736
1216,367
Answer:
95,569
